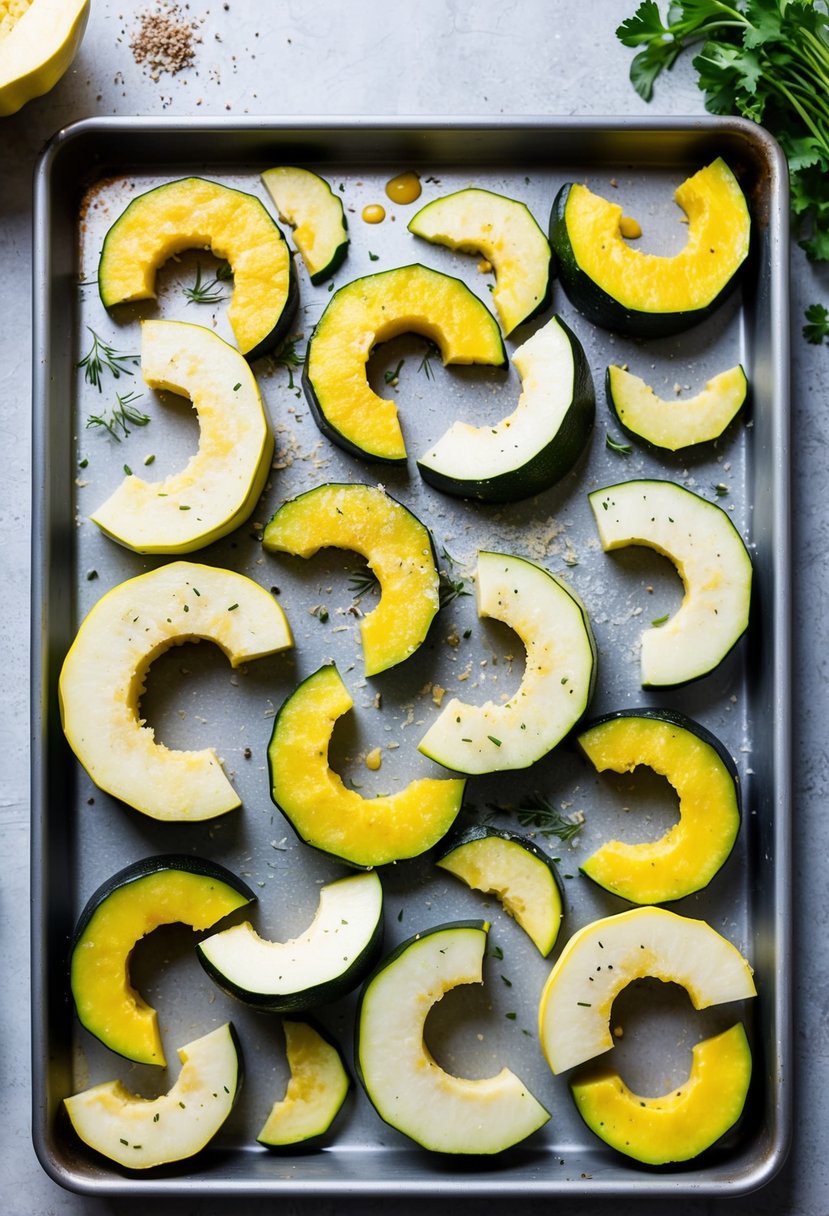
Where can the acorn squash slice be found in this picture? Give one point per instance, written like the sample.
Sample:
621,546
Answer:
38,48
317,1088
682,423
104,673
396,545
678,1125
704,776
363,832
193,213
504,231
710,558
326,961
371,310
306,202
643,294
135,901
605,956
222,482
409,1090
142,1132
514,869
558,677
534,446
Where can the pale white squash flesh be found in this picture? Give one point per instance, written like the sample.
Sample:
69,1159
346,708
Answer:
103,677
682,422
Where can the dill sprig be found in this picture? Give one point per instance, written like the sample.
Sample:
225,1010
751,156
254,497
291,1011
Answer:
208,291
363,582
450,588
101,356
121,417
289,358
425,364
537,811
624,449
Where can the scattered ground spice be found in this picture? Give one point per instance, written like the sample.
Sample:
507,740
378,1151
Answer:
165,40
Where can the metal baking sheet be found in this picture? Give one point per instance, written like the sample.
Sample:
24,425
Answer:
81,836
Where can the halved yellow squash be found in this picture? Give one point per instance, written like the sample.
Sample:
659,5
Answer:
193,213
371,310
678,1125
396,545
363,832
37,47
221,484
103,677
645,294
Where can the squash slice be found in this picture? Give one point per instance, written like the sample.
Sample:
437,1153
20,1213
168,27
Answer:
38,50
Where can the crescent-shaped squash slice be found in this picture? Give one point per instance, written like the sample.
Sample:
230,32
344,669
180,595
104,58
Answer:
155,891
514,869
317,1088
37,45
323,963
678,1125
704,776
363,832
103,677
193,213
558,676
605,956
222,482
538,443
396,545
710,558
306,202
371,310
409,1090
504,231
644,294
142,1132
683,422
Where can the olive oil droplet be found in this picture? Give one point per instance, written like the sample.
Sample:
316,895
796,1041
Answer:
404,188
374,213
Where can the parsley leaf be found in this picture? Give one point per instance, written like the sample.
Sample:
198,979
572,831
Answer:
817,316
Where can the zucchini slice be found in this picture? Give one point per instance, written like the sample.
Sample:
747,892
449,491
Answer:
222,482
408,1089
534,446
135,901
103,677
323,963
643,294
518,872
306,202
605,956
558,678
396,545
504,231
678,1125
316,1091
710,558
371,310
362,832
683,422
142,1132
704,776
193,213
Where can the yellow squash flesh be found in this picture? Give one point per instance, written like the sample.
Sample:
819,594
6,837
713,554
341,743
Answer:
316,1090
38,42
682,422
361,831
678,1125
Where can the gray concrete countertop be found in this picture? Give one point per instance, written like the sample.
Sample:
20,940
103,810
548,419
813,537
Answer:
436,57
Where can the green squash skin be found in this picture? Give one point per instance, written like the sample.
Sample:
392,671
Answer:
548,466
692,448
605,311
308,998
199,866
337,259
282,324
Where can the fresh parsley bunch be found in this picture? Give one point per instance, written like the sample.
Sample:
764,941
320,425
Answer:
767,60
